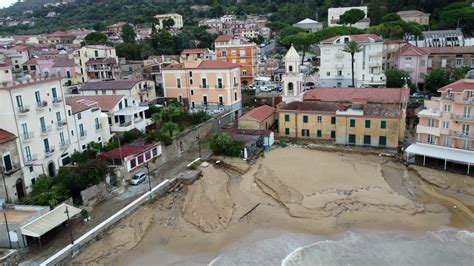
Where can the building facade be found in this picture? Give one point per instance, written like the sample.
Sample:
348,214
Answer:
334,13
414,61
292,79
309,25
336,68
239,52
142,90
11,168
415,16
206,85
177,18
95,63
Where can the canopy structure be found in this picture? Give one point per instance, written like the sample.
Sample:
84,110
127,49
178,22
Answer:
443,153
48,221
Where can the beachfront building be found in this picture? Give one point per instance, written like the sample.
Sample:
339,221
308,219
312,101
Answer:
415,16
349,116
95,63
334,14
11,168
142,90
336,70
238,51
204,85
293,79
34,111
260,118
445,133
177,18
309,25
87,123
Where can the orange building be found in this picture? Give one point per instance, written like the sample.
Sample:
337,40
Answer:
238,52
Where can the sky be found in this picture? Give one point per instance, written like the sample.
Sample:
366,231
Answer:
6,3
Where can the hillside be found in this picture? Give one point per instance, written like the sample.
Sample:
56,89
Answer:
97,13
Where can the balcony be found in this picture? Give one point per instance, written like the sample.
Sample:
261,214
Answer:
49,151
45,130
466,100
61,124
204,86
375,53
21,110
98,69
420,129
375,64
83,134
464,118
461,134
219,86
27,136
63,144
339,66
41,105
30,159
57,100
430,113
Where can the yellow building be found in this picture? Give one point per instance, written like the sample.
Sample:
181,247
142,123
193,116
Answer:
260,118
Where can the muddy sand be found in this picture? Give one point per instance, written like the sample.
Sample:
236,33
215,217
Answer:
291,189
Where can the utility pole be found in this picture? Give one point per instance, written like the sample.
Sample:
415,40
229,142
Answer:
199,145
148,177
4,184
6,223
69,225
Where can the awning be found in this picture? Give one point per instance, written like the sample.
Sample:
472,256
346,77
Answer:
48,221
444,153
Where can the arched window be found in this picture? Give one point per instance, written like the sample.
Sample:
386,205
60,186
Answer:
290,68
290,87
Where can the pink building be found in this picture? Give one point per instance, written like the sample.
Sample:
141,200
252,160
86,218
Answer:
413,60
47,67
446,129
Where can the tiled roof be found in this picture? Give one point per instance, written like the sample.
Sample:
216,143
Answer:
330,107
6,136
411,50
105,102
223,38
216,64
194,51
19,48
126,150
63,62
410,13
259,114
459,86
61,34
356,37
119,84
450,50
35,61
78,104
98,47
373,95
109,61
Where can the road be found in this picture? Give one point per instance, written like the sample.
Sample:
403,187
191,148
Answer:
269,47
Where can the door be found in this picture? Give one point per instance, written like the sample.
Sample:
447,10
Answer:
24,128
28,153
20,188
43,124
352,139
46,145
7,163
465,129
204,99
19,102
51,169
54,93
467,111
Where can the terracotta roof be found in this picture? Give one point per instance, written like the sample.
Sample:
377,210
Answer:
459,86
356,37
194,51
109,61
6,136
450,50
126,150
19,48
216,64
35,61
259,114
373,95
78,104
412,50
328,107
223,38
105,102
61,34
119,84
63,62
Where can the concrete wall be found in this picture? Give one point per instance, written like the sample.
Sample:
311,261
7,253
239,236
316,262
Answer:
94,194
252,124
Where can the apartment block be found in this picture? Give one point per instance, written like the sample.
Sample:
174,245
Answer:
414,61
142,90
239,52
205,85
95,63
336,70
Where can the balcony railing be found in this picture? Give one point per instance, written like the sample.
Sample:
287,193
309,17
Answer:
41,104
45,130
57,100
83,134
125,124
219,86
49,151
204,86
94,69
27,136
464,118
63,144
23,109
30,159
339,76
61,124
428,130
461,134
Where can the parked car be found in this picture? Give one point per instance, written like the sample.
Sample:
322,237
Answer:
309,86
138,178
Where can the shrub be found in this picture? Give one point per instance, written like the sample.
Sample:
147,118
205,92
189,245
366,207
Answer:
222,144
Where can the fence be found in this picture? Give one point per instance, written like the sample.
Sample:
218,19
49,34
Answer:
71,250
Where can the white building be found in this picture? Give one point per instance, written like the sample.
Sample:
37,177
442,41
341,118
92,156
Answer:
336,70
177,18
123,112
87,122
309,25
293,80
143,90
35,111
334,13
95,63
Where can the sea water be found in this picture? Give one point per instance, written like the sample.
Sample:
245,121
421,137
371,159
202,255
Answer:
446,247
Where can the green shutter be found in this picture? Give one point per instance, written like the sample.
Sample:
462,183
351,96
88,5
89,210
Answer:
383,124
287,131
287,118
333,134
367,123
319,133
352,123
305,119
333,120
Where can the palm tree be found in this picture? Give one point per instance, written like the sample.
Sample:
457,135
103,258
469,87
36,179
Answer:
169,112
352,47
170,127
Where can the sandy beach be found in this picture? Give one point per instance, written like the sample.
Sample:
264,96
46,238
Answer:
293,190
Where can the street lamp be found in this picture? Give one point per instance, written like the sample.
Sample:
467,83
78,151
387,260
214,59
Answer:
406,79
69,225
4,208
199,145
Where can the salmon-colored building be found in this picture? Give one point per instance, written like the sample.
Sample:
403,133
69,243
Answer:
206,85
446,129
239,52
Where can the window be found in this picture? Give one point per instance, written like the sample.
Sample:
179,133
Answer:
445,124
133,163
190,73
333,120
367,140
190,81
333,134
290,69
178,83
120,105
287,118
447,108
204,99
466,144
352,139
42,124
242,53
58,117
244,72
220,84
193,105
367,123
319,119
382,141
305,119
96,53
192,92
97,124
28,153
305,132
7,163
81,130
140,159
328,74
204,83
431,122
287,131
37,97
446,141
79,116
458,62
383,124
221,100
235,96
352,123
224,53
19,102
319,133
